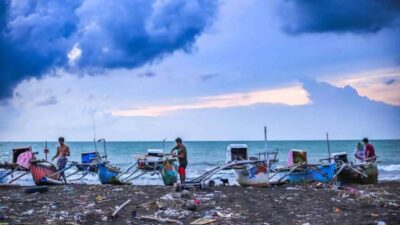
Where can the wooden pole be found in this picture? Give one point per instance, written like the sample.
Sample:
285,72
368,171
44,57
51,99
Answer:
329,148
265,139
161,220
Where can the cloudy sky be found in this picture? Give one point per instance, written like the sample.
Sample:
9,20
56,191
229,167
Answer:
199,69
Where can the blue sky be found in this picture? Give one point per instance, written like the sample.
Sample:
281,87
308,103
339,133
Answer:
202,70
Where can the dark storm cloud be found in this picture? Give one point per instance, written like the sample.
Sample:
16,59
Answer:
357,16
37,36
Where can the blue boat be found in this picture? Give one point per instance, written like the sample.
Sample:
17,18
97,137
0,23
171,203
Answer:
319,173
303,172
3,177
108,174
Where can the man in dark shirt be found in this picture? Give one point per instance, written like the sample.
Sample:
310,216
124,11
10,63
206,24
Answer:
369,150
182,158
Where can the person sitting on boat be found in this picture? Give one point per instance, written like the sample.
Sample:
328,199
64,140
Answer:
61,155
182,158
369,151
360,152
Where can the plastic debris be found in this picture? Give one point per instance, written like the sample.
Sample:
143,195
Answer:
191,205
29,212
100,198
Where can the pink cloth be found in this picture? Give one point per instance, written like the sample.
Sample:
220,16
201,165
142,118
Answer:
24,159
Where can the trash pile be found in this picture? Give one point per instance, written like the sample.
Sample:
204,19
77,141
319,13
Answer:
197,207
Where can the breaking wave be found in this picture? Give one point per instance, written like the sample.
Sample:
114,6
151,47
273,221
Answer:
389,168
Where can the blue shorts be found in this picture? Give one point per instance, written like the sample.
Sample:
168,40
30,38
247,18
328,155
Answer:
61,163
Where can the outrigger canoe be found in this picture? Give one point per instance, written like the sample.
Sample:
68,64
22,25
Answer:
355,172
155,162
45,173
108,174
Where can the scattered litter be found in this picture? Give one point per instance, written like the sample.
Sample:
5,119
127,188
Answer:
220,214
29,212
191,205
292,188
100,198
185,194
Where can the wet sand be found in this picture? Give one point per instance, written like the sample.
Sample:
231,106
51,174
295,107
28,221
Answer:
311,203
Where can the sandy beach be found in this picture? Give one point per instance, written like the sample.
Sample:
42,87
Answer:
313,203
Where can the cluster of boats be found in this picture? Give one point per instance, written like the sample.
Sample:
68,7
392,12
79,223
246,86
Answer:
24,162
260,170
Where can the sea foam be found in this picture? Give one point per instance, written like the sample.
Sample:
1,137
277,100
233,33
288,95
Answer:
389,168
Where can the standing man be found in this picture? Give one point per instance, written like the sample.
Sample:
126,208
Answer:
62,153
182,158
369,150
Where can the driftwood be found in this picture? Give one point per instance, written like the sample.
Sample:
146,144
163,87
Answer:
120,207
202,221
159,219
147,204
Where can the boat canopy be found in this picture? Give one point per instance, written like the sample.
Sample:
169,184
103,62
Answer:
88,157
155,152
296,156
340,157
236,152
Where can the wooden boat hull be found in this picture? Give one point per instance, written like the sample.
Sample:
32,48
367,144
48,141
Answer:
40,170
108,174
253,176
319,173
349,176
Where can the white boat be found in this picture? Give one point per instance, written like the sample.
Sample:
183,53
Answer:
258,173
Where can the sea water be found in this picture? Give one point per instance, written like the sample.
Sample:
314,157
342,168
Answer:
205,155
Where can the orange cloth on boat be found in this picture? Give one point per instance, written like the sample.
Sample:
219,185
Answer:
167,166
